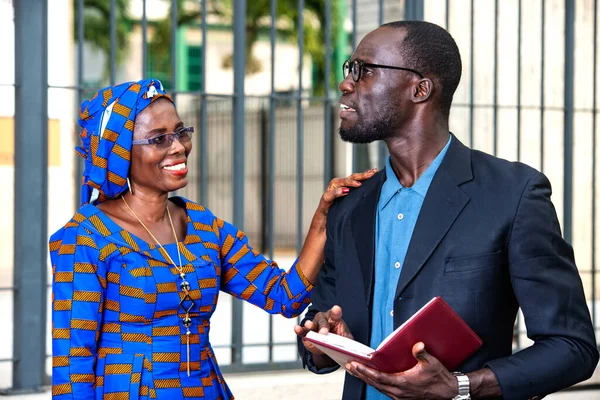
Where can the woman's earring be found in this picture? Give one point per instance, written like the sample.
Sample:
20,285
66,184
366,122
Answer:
129,186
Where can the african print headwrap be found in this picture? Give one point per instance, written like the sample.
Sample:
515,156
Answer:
107,122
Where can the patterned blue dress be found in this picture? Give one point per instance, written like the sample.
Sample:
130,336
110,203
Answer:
117,330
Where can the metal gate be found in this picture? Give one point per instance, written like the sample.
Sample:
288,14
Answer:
262,160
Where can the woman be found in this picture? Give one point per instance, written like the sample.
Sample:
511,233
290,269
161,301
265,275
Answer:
137,274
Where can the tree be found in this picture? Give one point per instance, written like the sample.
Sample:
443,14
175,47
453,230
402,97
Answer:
96,28
159,46
258,18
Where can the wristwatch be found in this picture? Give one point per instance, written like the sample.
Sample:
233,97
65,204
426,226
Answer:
463,387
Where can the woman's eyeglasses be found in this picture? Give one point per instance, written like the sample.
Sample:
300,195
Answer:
356,67
165,140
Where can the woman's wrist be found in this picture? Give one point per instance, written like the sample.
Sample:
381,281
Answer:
319,221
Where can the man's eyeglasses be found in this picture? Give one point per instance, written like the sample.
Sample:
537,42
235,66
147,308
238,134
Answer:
356,67
165,140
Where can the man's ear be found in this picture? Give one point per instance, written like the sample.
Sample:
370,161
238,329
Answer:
422,90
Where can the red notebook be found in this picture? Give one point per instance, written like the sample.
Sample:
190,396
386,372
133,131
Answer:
446,336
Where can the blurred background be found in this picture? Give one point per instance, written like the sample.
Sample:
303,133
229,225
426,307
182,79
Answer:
258,81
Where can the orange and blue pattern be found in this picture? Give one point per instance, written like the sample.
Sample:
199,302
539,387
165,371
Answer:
117,331
107,121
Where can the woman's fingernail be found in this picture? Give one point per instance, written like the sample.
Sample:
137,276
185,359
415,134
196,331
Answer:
345,190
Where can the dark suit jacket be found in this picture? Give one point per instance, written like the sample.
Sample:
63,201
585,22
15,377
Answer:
487,240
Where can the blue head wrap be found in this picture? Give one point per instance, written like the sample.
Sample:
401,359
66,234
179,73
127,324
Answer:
107,122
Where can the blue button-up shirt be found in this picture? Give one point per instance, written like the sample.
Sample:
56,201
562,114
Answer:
397,212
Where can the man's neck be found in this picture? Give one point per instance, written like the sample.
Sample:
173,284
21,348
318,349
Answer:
414,149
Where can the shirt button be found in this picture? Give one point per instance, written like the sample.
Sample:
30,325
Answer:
400,216
397,265
392,313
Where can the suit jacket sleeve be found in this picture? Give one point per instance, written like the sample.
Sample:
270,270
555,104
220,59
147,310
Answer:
548,288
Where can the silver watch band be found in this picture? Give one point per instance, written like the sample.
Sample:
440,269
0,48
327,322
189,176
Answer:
463,386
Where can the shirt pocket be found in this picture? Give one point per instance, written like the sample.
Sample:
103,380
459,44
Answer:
468,264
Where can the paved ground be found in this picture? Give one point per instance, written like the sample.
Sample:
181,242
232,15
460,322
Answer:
298,385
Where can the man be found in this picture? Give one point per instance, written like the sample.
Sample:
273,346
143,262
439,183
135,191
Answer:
443,220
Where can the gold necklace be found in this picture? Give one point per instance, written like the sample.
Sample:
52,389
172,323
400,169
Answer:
185,286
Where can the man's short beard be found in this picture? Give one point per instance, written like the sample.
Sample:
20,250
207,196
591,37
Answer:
367,132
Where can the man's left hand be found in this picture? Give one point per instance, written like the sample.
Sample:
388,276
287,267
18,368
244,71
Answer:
429,379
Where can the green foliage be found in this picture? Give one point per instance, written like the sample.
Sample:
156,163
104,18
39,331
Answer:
96,28
258,17
159,47
97,31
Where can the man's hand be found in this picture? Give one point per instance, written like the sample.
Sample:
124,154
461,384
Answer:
429,379
323,322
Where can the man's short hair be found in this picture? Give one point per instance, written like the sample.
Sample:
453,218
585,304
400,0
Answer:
429,49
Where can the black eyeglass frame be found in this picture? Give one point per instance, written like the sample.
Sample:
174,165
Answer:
348,68
178,134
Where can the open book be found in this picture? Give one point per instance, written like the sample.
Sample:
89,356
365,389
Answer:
446,336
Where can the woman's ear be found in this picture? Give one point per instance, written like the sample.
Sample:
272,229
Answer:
422,90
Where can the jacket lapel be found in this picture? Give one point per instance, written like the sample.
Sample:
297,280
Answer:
442,205
363,229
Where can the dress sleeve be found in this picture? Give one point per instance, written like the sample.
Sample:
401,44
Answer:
248,275
78,291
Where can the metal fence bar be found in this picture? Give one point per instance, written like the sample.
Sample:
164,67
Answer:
239,126
327,144
496,13
174,25
414,10
519,41
144,40
594,141
381,146
280,366
519,68
272,111
542,84
355,148
31,194
568,119
448,15
203,112
113,41
271,161
300,127
472,76
263,344
523,107
80,33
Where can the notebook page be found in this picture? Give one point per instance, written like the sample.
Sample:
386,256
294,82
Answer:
342,342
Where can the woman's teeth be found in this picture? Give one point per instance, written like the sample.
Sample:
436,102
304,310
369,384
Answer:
176,167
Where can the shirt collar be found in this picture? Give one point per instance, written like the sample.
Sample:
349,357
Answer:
392,185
